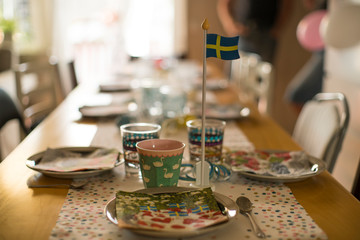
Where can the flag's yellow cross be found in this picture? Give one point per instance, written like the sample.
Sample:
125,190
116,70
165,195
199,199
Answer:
219,48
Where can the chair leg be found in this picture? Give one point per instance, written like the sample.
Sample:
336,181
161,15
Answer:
1,146
356,186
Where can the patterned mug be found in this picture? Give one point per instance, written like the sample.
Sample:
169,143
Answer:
160,161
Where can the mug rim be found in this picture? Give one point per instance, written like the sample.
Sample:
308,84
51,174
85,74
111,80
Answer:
157,127
219,122
159,140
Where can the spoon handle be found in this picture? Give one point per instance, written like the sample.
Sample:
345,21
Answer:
259,233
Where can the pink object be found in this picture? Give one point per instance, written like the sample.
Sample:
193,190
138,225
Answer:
308,31
160,147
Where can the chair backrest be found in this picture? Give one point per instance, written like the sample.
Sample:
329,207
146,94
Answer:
73,76
5,59
9,110
38,89
254,78
321,126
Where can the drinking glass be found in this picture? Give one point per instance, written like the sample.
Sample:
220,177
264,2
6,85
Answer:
214,136
131,134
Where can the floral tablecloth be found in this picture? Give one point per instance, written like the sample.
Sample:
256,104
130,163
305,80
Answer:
276,209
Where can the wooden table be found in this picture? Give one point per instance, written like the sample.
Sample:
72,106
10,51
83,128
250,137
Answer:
32,213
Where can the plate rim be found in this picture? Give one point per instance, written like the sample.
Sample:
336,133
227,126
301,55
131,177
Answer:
114,86
312,159
70,175
170,234
224,116
113,114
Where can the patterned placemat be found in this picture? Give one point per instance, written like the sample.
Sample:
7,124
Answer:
275,208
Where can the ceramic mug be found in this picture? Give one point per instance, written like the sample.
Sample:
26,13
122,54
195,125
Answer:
160,161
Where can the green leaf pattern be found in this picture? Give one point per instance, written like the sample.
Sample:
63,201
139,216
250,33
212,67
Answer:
169,209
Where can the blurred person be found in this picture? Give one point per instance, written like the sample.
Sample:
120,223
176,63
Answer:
258,23
309,79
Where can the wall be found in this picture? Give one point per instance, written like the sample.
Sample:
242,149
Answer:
197,11
289,60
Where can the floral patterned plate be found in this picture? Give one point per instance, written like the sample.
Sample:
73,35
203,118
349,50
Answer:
275,166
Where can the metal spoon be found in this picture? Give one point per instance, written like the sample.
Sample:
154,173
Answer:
245,207
245,112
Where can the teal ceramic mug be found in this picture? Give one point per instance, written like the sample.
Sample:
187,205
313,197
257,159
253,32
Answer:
160,161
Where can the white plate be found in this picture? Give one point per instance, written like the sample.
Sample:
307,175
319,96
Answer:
318,167
230,205
104,110
224,112
115,86
35,159
214,84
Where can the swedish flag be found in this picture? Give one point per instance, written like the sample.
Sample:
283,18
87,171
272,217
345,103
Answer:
225,48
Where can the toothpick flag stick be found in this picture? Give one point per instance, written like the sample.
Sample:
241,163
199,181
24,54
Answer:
225,48
205,27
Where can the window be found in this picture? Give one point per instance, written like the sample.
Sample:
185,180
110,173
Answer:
102,35
149,28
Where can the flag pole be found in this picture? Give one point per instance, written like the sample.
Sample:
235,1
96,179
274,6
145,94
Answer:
205,27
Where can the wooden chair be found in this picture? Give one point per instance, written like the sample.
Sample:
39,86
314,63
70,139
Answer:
356,186
73,76
321,126
254,78
38,89
5,59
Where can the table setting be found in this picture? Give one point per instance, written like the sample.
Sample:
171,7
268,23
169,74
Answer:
92,210
159,169
107,105
168,156
87,206
163,171
74,162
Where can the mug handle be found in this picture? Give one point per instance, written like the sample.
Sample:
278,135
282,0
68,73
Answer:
120,159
